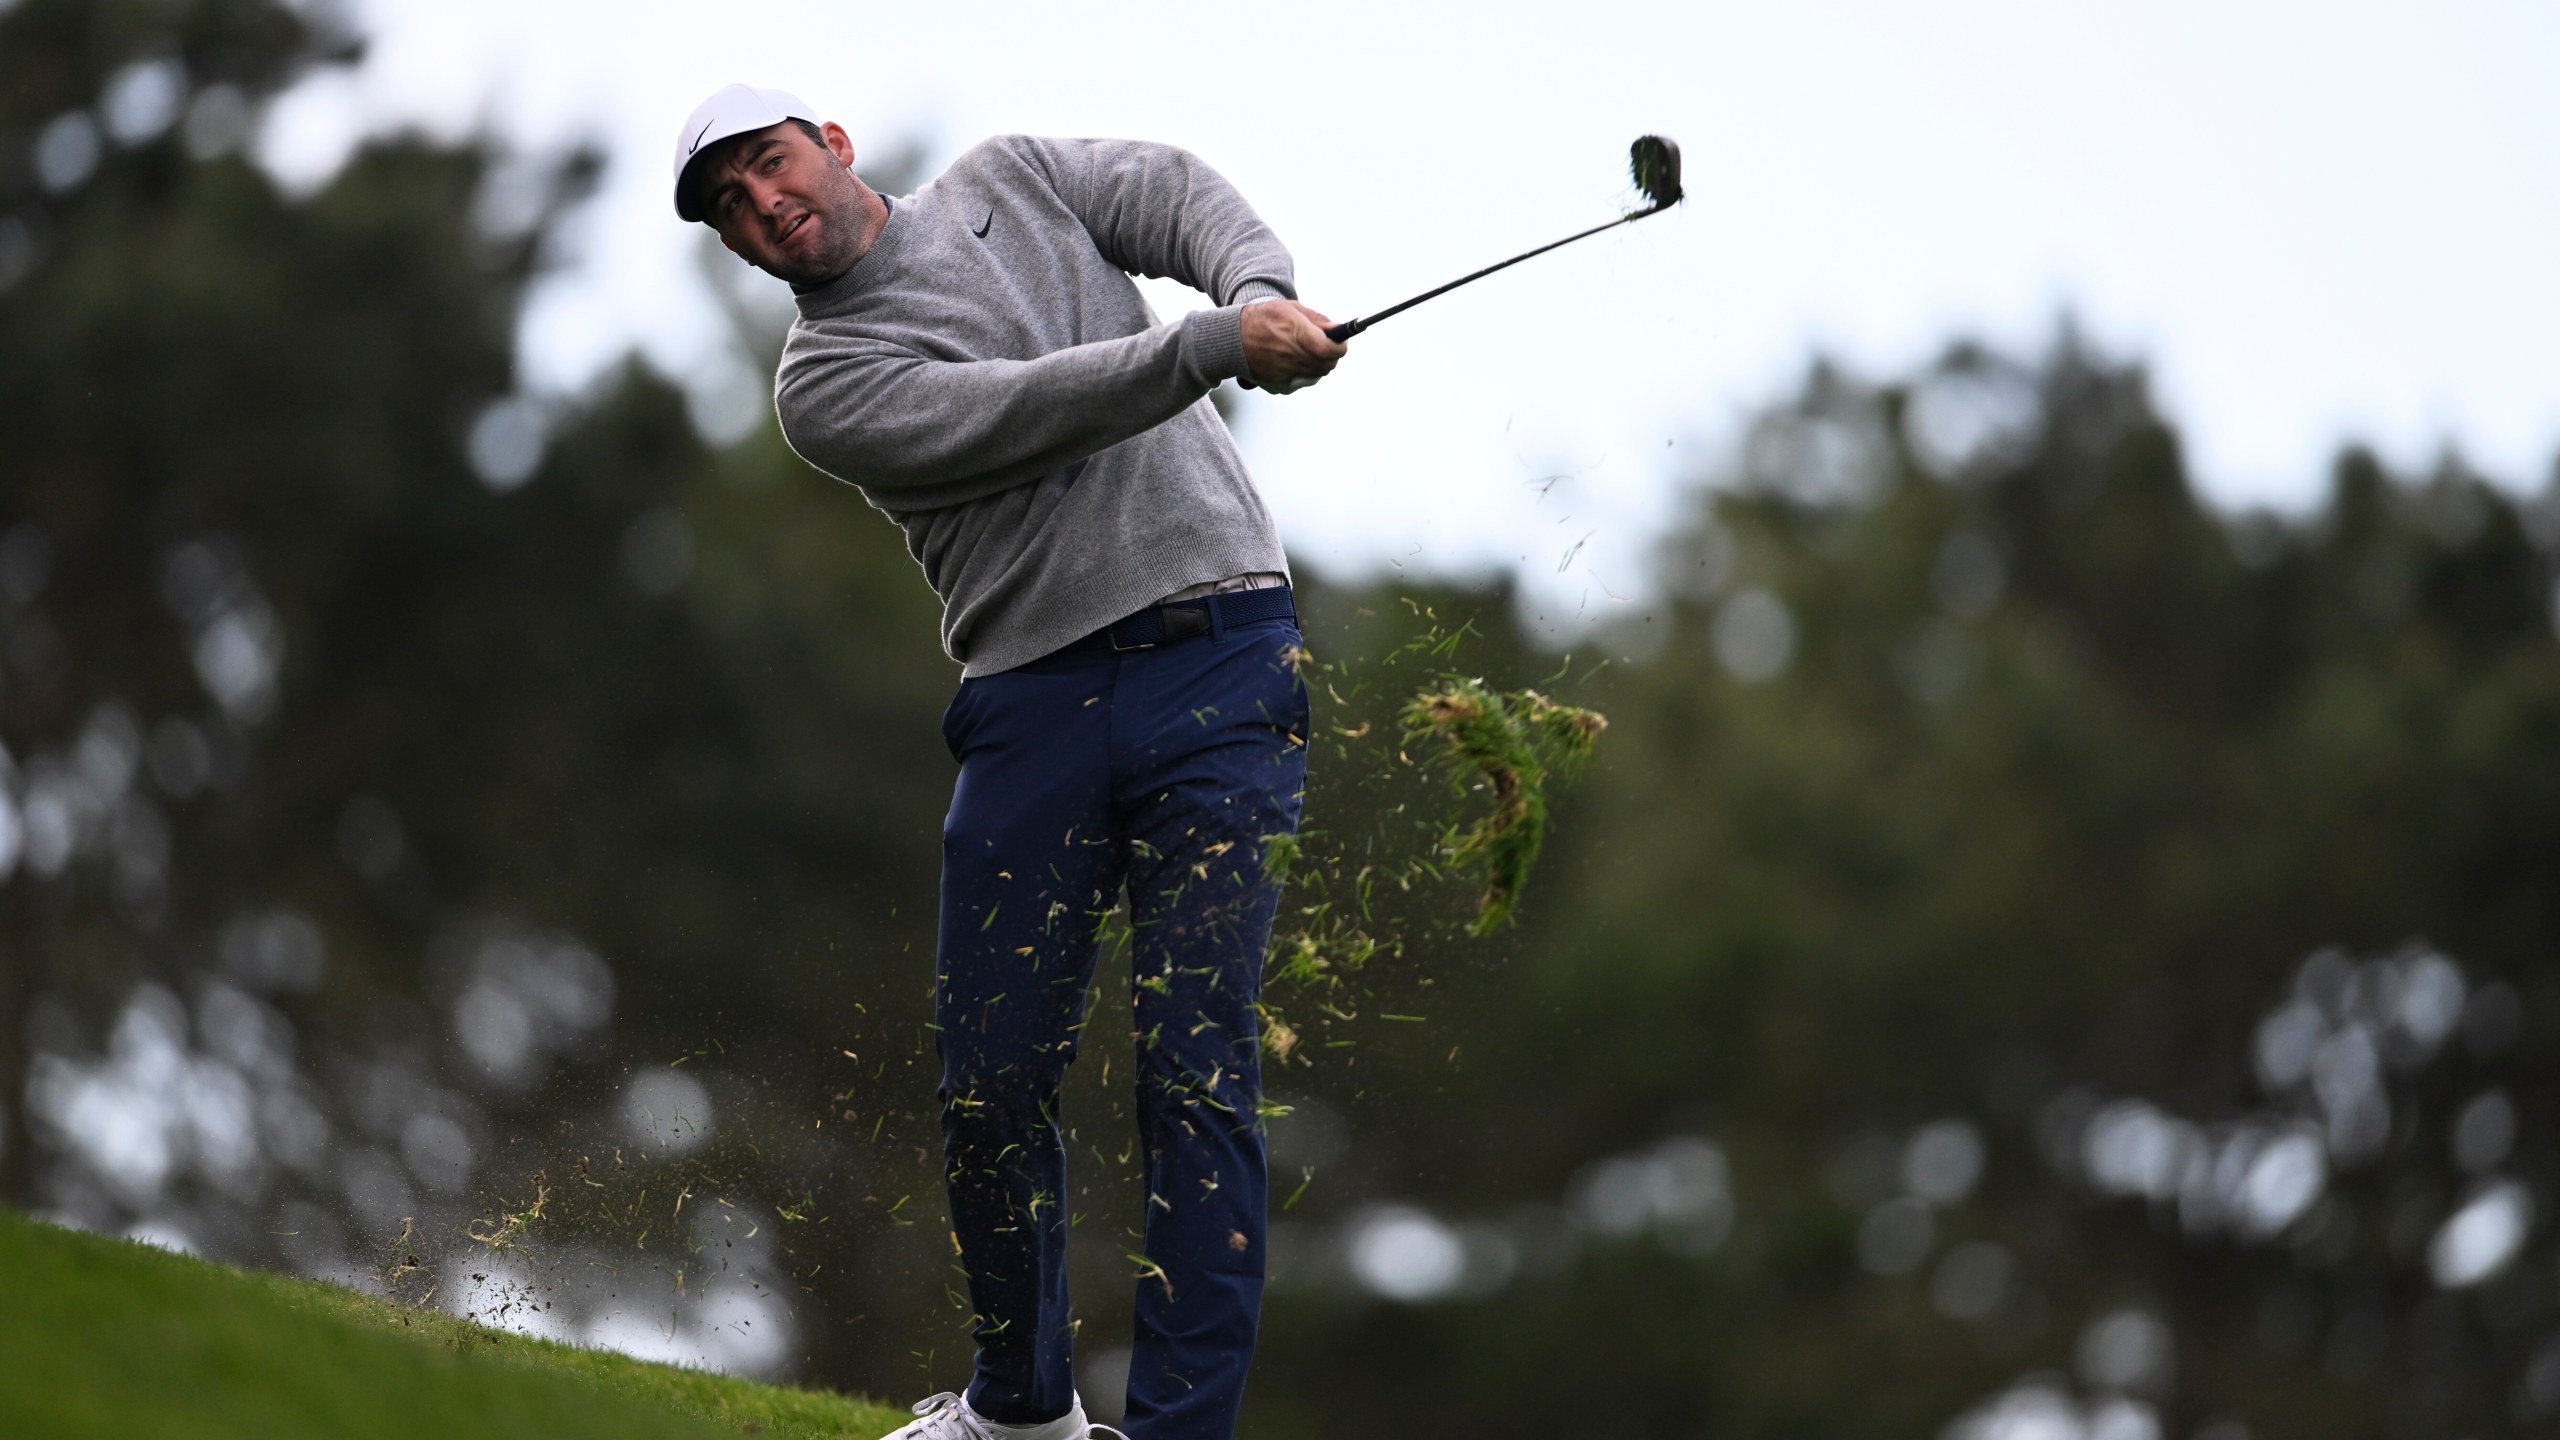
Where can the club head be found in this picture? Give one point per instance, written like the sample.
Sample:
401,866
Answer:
1654,160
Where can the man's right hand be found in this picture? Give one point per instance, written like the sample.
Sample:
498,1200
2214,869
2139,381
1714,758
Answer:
1284,346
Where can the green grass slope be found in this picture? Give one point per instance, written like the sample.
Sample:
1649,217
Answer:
102,1337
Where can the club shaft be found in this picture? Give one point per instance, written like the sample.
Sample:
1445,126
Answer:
1349,328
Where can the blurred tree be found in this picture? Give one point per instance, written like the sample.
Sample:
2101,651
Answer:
1972,801
107,112
359,704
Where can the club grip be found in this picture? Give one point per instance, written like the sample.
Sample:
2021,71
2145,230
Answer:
1344,331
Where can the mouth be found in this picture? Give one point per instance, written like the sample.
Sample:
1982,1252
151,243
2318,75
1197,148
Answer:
783,237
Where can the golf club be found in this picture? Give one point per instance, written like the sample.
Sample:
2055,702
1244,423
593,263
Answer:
1654,161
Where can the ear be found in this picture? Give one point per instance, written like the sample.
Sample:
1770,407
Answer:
839,144
732,249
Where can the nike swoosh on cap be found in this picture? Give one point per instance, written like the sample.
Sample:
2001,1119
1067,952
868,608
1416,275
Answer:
698,134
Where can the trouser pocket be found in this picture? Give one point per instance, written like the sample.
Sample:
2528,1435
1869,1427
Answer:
954,720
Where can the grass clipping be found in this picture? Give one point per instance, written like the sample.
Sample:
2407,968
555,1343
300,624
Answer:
1427,778
1512,744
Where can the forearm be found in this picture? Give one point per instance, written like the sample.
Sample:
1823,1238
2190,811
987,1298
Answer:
891,420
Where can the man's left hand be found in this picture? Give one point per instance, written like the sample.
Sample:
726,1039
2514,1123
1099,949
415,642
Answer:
1285,347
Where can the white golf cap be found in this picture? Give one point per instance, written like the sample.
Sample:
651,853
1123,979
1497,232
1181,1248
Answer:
731,110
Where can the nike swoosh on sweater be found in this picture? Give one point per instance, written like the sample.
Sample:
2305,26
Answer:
958,382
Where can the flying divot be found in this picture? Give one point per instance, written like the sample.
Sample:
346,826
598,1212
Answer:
1513,744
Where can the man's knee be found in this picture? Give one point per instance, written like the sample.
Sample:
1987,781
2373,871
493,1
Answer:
1027,1084
1202,1087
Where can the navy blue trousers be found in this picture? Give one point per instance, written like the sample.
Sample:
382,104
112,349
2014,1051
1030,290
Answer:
1082,774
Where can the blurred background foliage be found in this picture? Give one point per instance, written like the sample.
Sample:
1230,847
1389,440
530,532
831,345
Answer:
2034,959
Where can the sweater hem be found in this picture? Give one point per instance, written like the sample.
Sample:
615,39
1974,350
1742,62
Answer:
1025,644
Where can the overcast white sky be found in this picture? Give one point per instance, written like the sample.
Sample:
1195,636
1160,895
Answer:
2316,221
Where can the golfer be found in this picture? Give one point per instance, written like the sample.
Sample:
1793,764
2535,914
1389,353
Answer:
975,358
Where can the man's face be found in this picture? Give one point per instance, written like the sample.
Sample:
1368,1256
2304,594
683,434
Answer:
785,203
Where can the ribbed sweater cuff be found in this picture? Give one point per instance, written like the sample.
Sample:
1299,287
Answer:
1216,341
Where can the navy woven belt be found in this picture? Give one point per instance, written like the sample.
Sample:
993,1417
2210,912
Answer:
1184,619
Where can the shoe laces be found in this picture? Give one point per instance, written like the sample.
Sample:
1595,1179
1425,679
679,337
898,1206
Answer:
944,1417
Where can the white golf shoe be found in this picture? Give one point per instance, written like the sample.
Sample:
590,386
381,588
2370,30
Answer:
947,1416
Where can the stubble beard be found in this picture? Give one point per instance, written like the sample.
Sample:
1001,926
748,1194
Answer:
839,217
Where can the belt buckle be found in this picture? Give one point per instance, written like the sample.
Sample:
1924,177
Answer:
1174,622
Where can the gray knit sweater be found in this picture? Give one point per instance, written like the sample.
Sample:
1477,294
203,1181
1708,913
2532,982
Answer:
990,377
